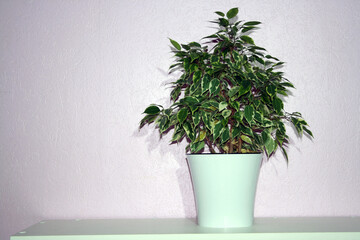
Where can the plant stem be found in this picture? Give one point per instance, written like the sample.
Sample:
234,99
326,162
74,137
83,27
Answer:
209,145
239,145
231,146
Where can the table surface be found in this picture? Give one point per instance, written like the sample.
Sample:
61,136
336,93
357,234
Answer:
293,228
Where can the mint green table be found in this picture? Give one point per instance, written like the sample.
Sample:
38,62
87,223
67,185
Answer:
317,228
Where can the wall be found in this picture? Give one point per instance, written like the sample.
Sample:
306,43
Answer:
76,75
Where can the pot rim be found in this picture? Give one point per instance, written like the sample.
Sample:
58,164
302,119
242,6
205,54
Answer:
259,153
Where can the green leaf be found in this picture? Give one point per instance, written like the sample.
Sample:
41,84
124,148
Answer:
205,83
164,124
182,114
249,113
239,116
308,131
190,100
246,29
270,145
252,23
224,22
278,104
225,135
222,106
196,147
217,130
195,44
226,113
232,13
148,119
206,119
245,87
235,105
175,44
265,136
271,90
202,135
287,84
189,131
186,47
196,118
175,93
220,13
177,135
282,128
247,39
233,91
152,110
196,76
214,85
258,117
235,132
246,139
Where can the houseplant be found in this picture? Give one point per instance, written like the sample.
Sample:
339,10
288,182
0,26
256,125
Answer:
228,100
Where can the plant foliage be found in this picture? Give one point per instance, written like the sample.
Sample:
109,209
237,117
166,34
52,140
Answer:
229,95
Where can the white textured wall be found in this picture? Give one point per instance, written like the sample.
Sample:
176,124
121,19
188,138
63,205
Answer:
75,76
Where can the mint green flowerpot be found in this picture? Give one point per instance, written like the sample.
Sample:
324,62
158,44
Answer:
224,188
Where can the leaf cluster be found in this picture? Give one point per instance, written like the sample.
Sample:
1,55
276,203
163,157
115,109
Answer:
228,98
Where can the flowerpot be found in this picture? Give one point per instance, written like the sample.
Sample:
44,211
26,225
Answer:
224,187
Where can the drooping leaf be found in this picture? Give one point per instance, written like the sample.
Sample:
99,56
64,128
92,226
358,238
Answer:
270,145
217,130
235,132
278,104
182,115
175,44
223,22
247,39
189,131
258,117
232,13
206,119
226,113
233,91
246,139
196,118
252,23
205,83
245,87
246,29
308,131
197,146
196,76
271,90
249,113
220,13
152,110
177,135
175,93
164,124
148,119
239,116
225,135
222,106
282,127
190,100
214,85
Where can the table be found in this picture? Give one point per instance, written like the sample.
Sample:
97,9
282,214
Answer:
293,228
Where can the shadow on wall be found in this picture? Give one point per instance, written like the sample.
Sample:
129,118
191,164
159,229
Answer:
153,142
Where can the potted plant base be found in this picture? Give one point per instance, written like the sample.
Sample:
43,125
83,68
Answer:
224,187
